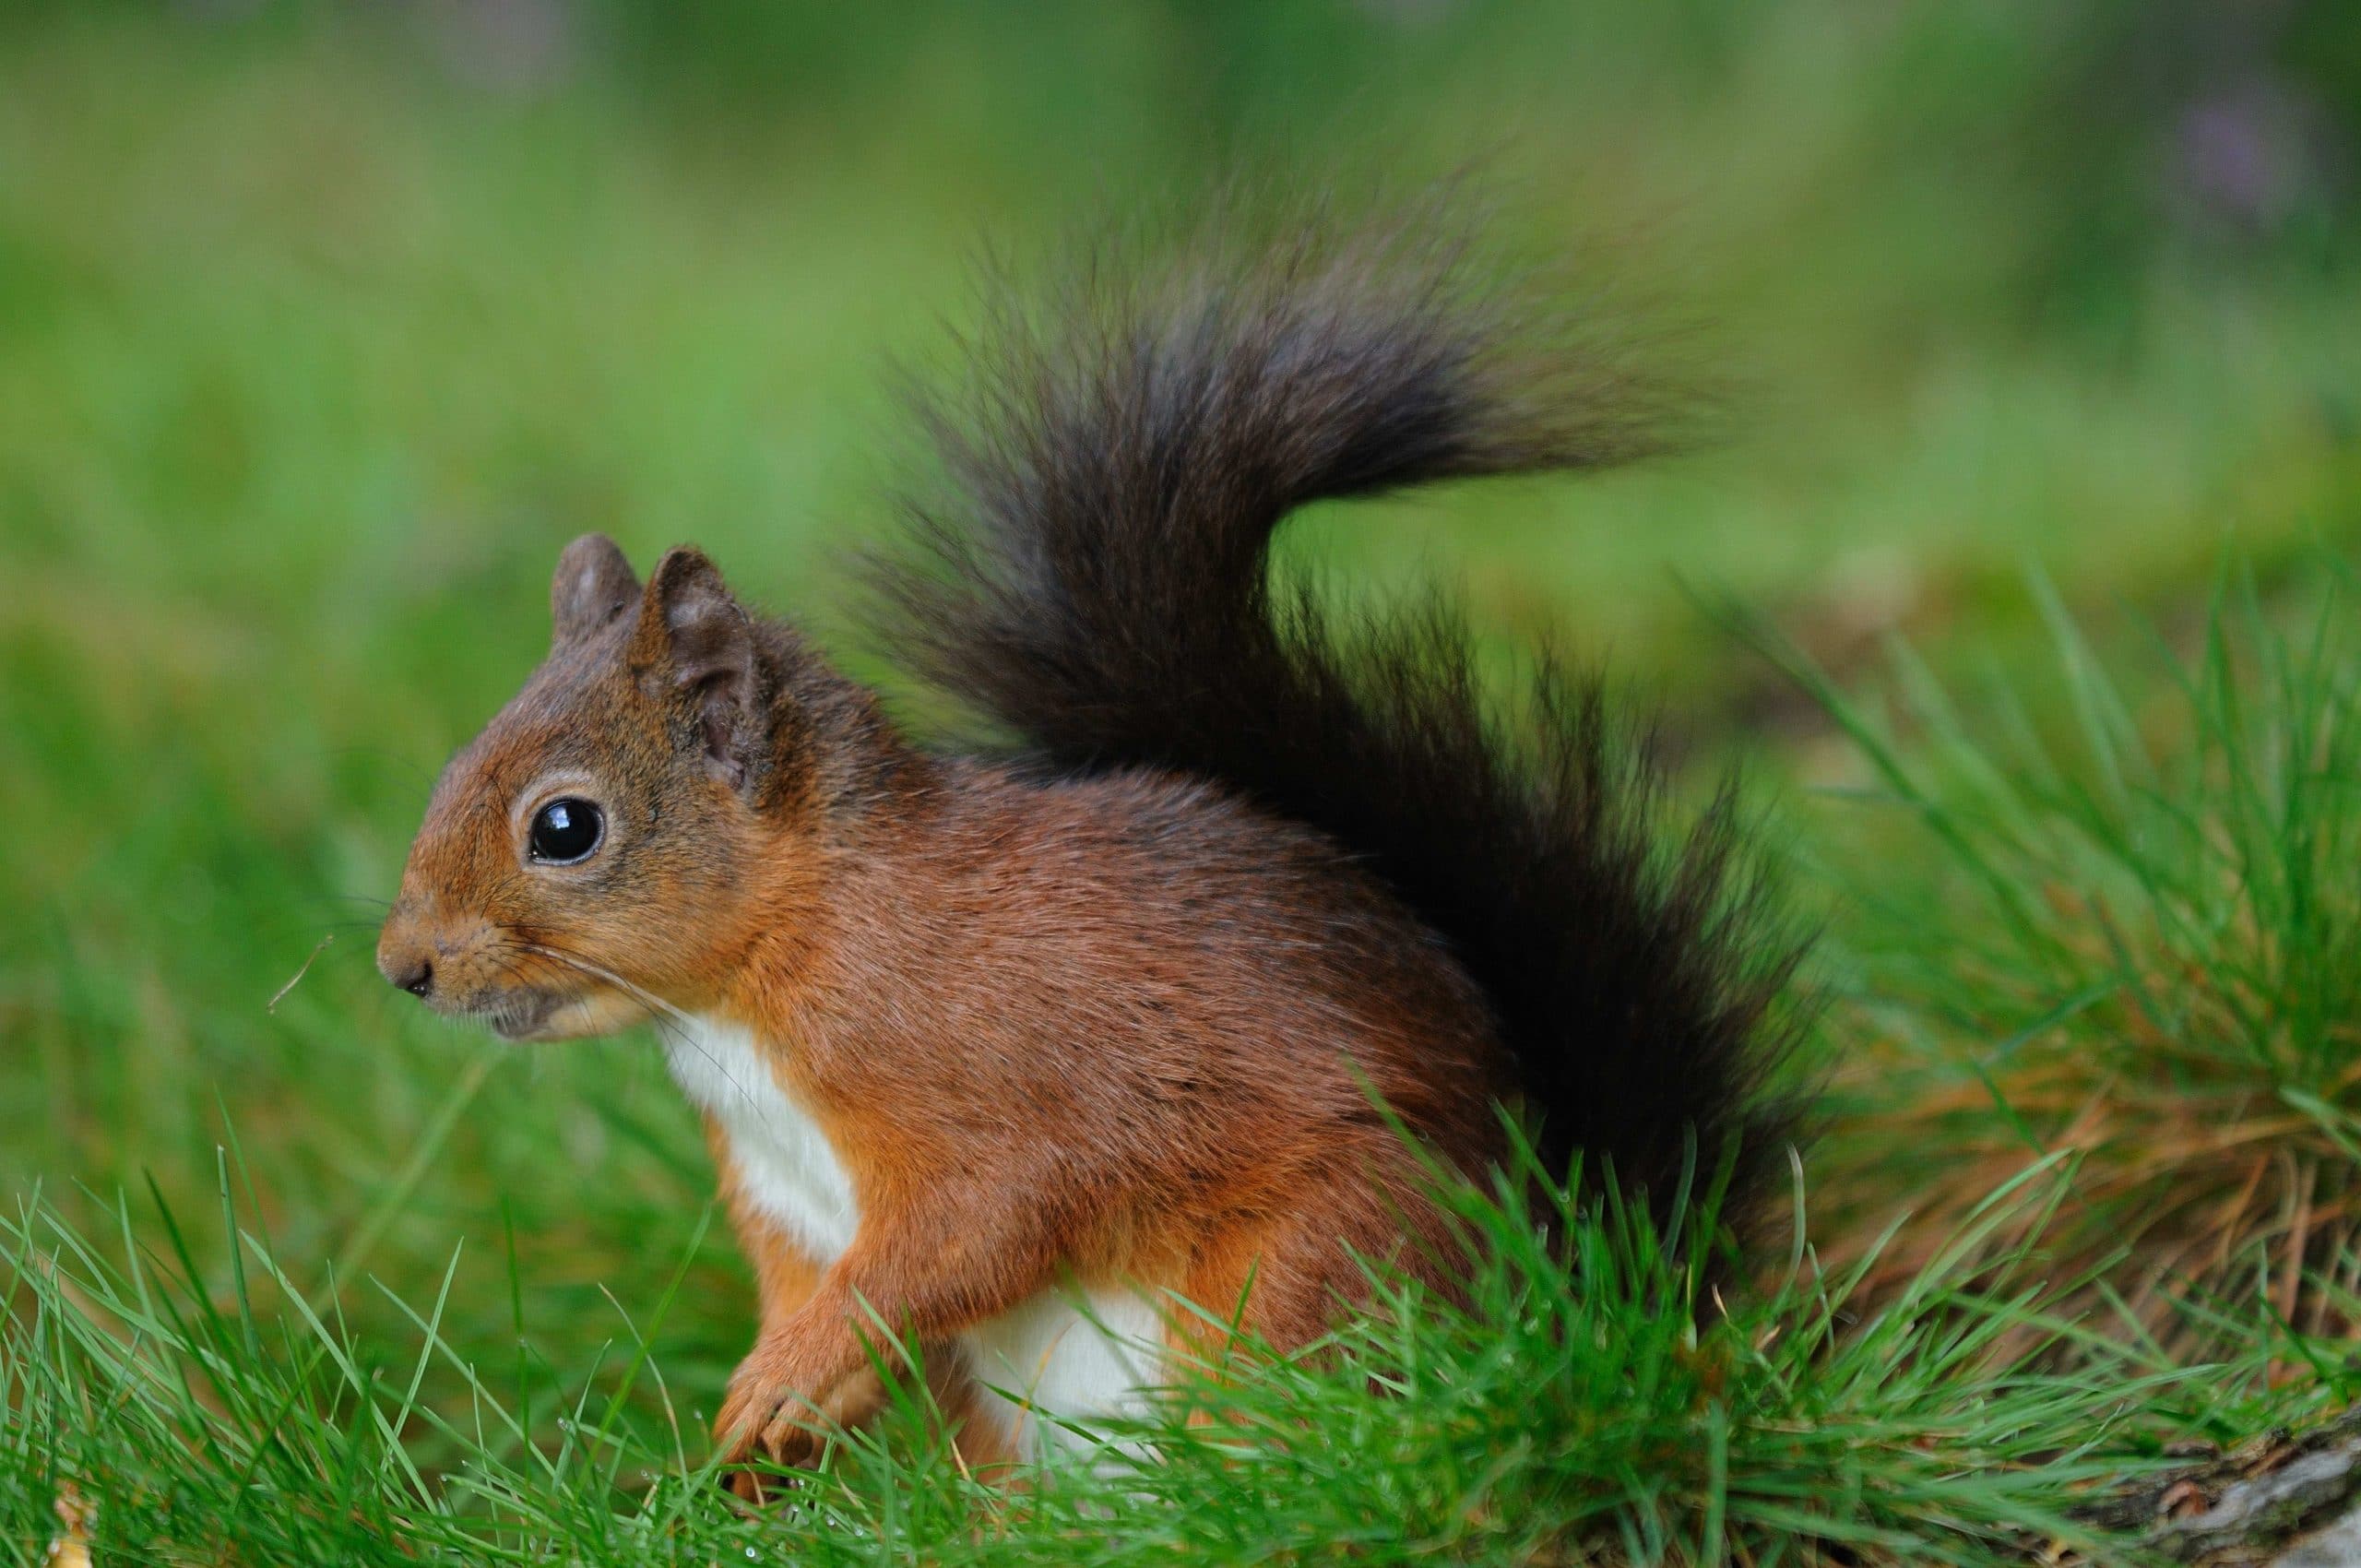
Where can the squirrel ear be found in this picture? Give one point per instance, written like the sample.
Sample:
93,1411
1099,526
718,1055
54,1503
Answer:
693,637
592,586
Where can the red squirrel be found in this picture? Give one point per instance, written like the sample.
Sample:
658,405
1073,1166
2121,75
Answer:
1007,1047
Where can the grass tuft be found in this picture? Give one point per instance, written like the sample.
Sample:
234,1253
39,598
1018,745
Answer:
2127,938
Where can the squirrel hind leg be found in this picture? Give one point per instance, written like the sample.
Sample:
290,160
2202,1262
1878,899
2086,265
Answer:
1285,1277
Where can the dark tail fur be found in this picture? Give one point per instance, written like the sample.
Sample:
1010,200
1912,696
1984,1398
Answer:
1096,582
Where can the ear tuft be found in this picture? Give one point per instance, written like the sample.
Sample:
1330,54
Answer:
593,585
694,638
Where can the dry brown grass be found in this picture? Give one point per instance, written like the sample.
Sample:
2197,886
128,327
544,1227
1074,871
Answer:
2170,1190
2132,947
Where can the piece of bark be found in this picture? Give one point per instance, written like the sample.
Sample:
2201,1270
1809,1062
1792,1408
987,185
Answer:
2339,1546
2282,1500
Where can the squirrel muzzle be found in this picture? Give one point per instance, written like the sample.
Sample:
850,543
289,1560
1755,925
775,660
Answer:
457,968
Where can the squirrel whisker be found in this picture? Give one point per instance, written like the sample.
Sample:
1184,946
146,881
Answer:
645,998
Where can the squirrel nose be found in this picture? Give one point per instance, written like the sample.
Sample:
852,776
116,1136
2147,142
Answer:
417,977
412,972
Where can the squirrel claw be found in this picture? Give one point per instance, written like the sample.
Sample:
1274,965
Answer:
752,1471
756,1485
761,1435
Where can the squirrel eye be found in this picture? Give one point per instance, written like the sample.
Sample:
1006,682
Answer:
566,831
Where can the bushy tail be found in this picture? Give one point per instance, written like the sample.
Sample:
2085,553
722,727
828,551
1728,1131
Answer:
1096,583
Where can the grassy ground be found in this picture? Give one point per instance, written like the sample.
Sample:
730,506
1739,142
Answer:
321,330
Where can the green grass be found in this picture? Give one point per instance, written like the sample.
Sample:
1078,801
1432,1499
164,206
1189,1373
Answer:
1588,1403
316,341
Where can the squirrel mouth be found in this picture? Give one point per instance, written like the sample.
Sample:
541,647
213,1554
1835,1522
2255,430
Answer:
520,1015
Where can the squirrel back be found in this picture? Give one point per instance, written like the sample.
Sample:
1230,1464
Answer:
1095,585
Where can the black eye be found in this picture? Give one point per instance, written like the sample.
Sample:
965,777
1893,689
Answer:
566,831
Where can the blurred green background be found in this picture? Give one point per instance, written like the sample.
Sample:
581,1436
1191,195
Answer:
322,327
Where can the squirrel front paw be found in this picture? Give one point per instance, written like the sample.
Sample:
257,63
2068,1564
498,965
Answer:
767,1416
765,1422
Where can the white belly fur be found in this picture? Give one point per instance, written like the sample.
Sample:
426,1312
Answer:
784,1162
1056,1358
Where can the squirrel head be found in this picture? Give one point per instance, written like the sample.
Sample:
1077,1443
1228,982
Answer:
597,853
